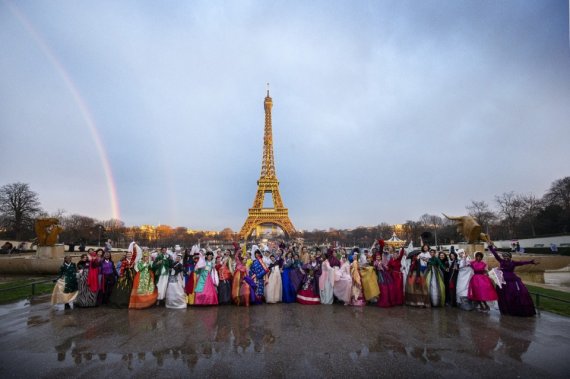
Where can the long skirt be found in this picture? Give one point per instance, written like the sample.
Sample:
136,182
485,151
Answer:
451,289
240,289
308,297
289,291
436,286
342,289
121,295
175,297
208,295
161,286
142,300
225,292
385,283
85,297
297,278
397,288
369,283
481,288
106,288
58,295
514,298
273,290
417,290
463,279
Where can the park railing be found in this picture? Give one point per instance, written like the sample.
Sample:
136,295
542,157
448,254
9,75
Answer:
537,297
31,285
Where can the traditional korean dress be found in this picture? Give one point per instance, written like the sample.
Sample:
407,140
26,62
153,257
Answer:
274,288
108,278
225,285
161,266
205,291
451,284
309,293
514,298
257,272
463,278
175,295
396,288
289,290
297,275
241,290
385,282
435,282
369,278
65,290
356,293
326,283
86,297
416,288
122,292
343,283
144,292
191,281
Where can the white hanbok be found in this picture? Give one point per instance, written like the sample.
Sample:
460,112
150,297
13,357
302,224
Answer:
343,283
175,295
463,278
326,283
274,287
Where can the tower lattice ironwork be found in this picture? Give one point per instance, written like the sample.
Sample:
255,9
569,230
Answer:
267,184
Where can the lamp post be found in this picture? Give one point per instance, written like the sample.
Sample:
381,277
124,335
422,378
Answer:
99,244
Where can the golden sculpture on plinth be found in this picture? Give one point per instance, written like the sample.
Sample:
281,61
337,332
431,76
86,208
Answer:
267,183
47,231
469,228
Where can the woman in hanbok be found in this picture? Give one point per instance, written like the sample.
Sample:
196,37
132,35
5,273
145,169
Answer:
396,288
326,280
175,296
240,288
309,292
435,282
416,288
369,279
257,273
305,256
451,284
481,287
223,266
343,281
297,275
65,290
122,292
514,298
463,278
161,268
144,291
205,291
289,290
88,283
273,290
191,278
108,278
356,293
385,281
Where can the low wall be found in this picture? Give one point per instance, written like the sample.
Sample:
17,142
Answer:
29,264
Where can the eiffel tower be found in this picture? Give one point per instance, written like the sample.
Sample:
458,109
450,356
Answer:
267,183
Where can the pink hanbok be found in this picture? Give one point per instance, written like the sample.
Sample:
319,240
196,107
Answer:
481,287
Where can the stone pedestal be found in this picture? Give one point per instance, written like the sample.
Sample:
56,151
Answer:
471,248
51,252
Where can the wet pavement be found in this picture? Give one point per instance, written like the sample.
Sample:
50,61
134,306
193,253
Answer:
281,340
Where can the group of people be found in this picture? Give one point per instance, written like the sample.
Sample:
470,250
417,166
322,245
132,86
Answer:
381,276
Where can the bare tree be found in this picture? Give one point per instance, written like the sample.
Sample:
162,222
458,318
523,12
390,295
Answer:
531,207
511,209
559,193
19,205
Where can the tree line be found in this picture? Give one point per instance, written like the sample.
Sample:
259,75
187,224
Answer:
510,216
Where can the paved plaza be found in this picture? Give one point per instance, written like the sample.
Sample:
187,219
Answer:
282,340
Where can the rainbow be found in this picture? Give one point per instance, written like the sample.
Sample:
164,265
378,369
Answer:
84,109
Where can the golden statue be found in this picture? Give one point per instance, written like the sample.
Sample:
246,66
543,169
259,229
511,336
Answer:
47,231
469,228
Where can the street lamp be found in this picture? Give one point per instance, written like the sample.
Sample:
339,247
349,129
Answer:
100,227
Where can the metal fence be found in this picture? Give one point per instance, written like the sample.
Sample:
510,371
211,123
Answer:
32,285
537,297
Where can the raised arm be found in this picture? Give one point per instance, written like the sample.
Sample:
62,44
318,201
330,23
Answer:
494,252
522,263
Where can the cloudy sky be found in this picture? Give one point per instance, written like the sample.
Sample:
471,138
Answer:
383,110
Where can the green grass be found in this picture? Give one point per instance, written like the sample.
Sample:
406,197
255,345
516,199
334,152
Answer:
550,305
24,292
